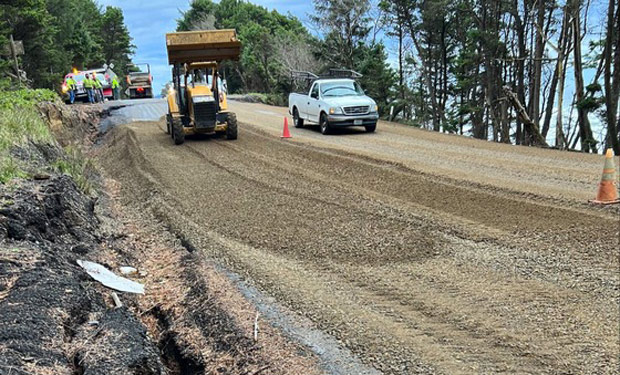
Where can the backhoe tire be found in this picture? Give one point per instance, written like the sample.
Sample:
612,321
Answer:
231,126
297,121
177,132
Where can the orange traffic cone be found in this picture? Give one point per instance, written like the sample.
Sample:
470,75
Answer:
607,189
285,132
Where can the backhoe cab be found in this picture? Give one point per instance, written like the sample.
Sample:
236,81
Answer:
197,101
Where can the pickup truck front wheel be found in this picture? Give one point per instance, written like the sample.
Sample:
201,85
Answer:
297,121
324,124
371,128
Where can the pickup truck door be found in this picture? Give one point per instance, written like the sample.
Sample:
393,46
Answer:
313,104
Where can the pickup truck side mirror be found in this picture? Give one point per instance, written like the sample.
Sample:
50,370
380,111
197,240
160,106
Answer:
314,95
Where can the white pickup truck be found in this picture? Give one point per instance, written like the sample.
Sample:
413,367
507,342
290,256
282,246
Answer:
334,102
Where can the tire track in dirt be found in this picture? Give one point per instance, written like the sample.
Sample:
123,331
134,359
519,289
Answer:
343,240
548,223
561,175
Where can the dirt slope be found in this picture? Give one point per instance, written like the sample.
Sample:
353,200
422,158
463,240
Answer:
421,261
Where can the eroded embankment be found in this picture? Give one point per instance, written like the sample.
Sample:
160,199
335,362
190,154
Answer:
54,319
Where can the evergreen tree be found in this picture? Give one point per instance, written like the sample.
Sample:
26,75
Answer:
59,35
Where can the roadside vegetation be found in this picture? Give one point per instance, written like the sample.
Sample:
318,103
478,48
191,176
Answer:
59,35
21,124
79,166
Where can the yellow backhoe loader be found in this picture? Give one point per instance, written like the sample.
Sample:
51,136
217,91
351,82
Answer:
197,100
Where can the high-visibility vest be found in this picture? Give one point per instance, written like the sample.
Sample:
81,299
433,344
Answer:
97,83
88,83
70,83
114,83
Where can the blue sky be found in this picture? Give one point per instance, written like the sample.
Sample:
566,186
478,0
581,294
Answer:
149,21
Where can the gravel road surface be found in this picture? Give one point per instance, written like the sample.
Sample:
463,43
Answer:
422,253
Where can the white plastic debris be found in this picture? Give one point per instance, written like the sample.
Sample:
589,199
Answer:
126,270
110,279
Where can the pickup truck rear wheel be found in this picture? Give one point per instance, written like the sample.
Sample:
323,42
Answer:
324,124
297,121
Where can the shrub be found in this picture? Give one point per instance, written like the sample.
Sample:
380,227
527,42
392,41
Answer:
9,170
25,98
79,167
18,125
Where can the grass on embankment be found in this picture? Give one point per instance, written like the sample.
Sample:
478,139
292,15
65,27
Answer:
20,124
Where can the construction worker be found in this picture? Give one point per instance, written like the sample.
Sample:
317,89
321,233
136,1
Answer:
98,88
72,87
89,86
115,88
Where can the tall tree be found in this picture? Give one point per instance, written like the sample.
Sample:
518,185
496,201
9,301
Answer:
611,57
585,130
116,41
345,25
61,34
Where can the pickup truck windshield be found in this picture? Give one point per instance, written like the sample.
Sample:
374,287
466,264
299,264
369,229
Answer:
341,88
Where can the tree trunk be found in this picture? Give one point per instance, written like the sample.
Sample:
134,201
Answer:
585,131
535,85
532,128
401,70
521,43
612,76
565,43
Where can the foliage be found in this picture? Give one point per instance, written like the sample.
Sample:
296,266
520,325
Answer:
9,170
61,34
379,80
79,167
116,42
279,100
344,22
21,123
268,39
18,125
25,98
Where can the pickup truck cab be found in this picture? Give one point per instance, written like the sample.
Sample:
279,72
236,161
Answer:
334,103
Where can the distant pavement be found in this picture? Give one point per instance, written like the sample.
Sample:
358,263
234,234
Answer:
126,111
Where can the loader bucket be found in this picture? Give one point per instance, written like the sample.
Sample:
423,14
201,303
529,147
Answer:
205,45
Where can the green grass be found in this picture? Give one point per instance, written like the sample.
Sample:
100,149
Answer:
9,170
20,125
79,167
25,98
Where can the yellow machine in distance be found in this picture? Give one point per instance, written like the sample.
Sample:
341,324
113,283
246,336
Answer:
197,102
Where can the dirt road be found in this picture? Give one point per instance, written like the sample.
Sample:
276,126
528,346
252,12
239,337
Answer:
422,253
